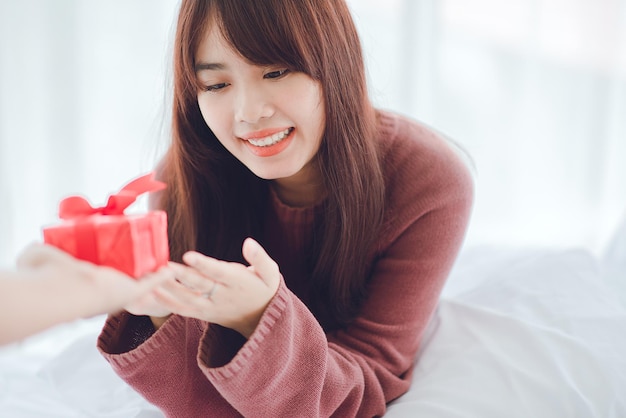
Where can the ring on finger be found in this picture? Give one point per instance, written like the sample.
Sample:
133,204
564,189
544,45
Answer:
208,294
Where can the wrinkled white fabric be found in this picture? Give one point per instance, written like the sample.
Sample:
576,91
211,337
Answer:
522,334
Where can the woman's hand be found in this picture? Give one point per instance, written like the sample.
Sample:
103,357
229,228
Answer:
148,305
229,294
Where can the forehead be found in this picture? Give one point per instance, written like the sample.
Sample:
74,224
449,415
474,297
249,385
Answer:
213,45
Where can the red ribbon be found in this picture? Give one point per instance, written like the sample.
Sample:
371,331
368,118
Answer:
77,206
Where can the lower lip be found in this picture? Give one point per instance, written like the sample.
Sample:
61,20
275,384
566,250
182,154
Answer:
272,149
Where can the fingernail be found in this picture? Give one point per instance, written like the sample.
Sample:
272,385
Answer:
191,258
253,246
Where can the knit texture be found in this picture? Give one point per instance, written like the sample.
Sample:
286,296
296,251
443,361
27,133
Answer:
290,367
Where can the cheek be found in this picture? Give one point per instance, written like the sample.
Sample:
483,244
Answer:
316,109
317,115
214,116
308,108
303,95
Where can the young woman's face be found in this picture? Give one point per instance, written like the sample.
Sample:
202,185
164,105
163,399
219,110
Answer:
270,118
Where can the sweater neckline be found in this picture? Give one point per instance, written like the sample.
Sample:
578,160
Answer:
294,215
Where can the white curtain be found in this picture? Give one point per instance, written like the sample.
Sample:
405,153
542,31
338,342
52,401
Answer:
82,103
535,90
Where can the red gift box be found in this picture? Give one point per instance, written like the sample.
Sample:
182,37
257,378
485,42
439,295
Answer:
134,244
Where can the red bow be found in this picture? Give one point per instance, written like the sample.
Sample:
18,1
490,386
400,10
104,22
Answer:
77,206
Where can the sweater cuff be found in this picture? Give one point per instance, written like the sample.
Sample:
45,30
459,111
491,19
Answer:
219,365
127,338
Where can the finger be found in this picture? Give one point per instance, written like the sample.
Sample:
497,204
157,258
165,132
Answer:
178,299
263,265
191,278
168,301
157,278
216,270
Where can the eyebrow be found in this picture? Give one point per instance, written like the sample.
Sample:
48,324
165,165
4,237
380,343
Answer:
203,66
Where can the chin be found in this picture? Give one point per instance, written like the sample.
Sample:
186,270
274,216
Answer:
276,174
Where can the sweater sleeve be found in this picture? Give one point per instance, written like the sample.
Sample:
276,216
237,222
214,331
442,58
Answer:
163,368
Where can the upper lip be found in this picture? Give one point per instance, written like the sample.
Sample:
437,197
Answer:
263,133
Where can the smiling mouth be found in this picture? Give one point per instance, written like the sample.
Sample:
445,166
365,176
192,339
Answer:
270,140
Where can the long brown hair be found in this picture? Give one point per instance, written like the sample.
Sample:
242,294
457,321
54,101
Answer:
214,202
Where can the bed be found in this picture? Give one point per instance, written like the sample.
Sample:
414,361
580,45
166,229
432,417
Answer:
519,332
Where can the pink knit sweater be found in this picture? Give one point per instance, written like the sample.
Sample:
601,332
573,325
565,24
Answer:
290,367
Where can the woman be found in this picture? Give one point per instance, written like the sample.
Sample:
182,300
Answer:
350,219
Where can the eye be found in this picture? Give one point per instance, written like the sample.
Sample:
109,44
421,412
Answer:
215,87
277,73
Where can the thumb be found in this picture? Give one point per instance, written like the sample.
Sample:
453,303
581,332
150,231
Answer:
261,262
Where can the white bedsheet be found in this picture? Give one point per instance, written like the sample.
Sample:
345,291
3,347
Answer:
522,334
518,333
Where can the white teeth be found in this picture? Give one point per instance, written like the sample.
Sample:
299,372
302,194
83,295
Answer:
270,140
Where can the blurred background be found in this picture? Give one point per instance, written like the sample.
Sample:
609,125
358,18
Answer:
534,90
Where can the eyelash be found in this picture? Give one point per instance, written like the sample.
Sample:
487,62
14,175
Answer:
272,75
215,87
277,74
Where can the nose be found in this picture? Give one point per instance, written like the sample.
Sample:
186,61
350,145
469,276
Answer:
252,104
